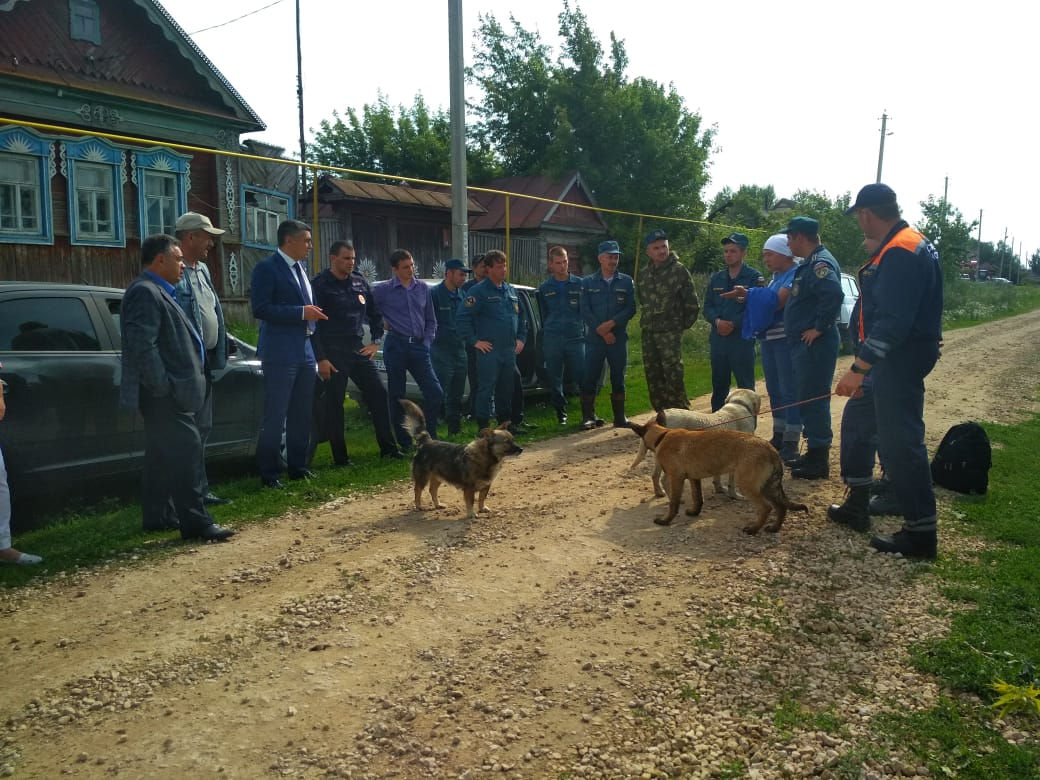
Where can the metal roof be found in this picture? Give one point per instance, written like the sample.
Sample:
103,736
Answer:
354,189
528,213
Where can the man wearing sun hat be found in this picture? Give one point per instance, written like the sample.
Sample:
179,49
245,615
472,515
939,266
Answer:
900,327
197,296
810,319
668,305
730,352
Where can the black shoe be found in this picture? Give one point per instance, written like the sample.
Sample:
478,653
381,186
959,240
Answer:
394,455
274,483
777,441
883,499
212,500
345,463
522,425
561,417
912,544
305,474
211,533
853,512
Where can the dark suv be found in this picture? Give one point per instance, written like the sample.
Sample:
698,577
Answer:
59,346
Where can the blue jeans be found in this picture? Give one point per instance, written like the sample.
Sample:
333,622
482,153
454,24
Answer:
730,355
814,372
899,412
496,374
559,354
400,357
781,387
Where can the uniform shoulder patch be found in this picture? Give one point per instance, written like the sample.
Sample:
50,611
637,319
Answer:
822,270
470,302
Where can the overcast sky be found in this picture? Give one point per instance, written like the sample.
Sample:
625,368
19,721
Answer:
796,91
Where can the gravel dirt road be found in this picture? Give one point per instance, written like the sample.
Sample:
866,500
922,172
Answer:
563,636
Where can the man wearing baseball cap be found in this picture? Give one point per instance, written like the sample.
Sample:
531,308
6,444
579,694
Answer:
810,318
900,327
668,305
730,352
198,298
449,350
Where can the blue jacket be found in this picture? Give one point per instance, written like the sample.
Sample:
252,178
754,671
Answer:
561,311
446,308
816,295
494,314
602,301
716,307
278,302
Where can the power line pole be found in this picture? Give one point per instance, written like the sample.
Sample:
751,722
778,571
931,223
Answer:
881,150
457,108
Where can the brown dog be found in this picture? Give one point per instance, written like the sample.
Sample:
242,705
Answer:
693,455
470,467
740,413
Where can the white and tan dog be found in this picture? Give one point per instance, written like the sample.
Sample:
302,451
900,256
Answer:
740,413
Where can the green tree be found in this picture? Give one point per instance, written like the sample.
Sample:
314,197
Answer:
945,226
749,206
634,141
409,142
1034,263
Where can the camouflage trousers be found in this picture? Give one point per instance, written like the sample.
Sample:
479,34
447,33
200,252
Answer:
662,362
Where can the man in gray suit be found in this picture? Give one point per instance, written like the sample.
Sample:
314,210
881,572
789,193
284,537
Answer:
163,376
198,297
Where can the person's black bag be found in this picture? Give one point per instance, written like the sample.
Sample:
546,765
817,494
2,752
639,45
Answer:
963,459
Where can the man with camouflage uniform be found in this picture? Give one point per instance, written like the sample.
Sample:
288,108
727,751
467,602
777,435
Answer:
669,305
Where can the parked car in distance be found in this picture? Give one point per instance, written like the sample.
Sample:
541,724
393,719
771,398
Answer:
64,428
850,287
1000,280
530,361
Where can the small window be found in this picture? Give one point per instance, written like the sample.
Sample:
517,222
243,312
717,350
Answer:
47,325
85,21
263,211
26,163
96,172
161,177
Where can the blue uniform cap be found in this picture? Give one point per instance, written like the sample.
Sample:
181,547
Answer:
736,238
873,195
455,265
609,248
655,235
802,226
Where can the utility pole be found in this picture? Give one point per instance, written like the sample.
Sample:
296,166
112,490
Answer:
881,150
299,82
978,260
457,108
942,230
1003,249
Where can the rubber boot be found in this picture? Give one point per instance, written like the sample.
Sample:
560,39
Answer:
589,420
912,544
853,513
777,441
815,464
617,406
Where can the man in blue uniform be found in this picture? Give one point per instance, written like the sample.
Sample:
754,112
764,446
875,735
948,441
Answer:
492,321
810,318
608,303
563,330
900,327
341,353
730,352
449,351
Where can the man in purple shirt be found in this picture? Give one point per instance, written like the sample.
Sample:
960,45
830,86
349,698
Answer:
411,325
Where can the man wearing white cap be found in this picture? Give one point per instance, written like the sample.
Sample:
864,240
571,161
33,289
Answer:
198,298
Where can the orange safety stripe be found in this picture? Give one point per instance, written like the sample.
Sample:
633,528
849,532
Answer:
908,239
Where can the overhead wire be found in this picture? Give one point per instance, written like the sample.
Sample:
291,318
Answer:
237,18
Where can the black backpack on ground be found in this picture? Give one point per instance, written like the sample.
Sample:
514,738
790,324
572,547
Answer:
963,459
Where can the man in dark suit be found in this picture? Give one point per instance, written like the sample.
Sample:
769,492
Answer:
282,300
163,376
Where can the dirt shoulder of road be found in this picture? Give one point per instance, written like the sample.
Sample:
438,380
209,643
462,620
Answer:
563,635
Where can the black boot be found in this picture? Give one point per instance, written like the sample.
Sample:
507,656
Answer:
883,500
912,544
482,424
777,441
561,416
815,464
790,455
617,405
852,513
589,420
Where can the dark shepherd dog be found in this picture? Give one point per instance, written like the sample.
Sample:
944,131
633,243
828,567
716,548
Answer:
469,467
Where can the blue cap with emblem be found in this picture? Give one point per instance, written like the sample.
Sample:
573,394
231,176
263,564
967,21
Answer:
736,238
455,265
802,226
654,236
609,248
